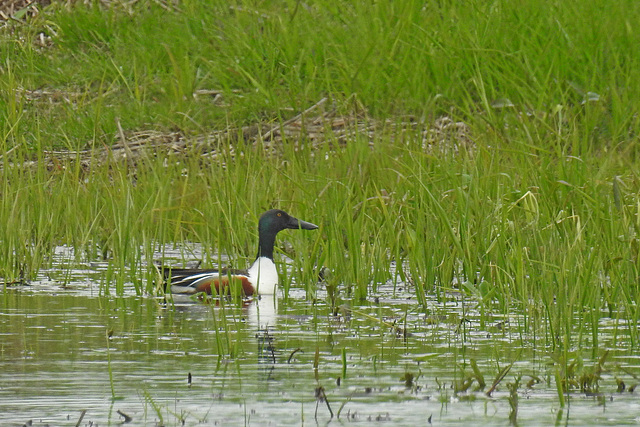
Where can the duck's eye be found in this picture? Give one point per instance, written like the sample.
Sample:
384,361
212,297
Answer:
279,214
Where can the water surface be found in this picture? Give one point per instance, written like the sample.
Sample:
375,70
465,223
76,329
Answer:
67,350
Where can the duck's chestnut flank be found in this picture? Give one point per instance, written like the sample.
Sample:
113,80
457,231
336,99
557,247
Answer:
223,285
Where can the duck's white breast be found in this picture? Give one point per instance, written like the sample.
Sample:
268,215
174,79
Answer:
264,275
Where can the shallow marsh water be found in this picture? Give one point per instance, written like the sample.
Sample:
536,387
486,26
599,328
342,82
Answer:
252,362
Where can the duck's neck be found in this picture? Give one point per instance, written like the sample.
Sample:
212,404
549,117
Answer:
266,242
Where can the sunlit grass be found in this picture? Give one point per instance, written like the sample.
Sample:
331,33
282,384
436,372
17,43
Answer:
141,66
540,214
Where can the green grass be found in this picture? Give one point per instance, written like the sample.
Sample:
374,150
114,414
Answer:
274,58
541,216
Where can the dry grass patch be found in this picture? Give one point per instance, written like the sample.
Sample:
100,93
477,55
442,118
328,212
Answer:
316,126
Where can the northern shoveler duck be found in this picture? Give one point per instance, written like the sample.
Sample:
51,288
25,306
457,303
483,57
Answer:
261,277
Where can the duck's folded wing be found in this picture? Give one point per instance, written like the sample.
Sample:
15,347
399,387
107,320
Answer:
192,281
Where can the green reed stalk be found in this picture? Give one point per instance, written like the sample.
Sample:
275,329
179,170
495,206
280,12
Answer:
113,392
